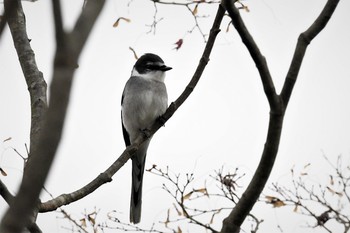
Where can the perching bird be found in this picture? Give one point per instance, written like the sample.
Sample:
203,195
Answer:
144,99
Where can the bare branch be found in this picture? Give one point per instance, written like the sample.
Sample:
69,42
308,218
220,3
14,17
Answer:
187,5
254,51
278,106
101,179
34,78
303,41
41,155
5,193
8,197
319,202
60,34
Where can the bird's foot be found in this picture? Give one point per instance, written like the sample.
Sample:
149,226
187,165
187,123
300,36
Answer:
161,120
146,133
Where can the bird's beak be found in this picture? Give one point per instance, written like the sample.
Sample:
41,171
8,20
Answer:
165,68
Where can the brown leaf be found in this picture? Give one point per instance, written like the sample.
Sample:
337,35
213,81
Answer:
340,194
195,10
178,44
274,201
303,173
188,195
83,222
228,26
177,210
179,230
292,170
331,180
167,218
7,139
136,57
3,172
121,18
296,208
91,219
331,190
202,190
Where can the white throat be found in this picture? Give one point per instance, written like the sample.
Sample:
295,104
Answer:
157,75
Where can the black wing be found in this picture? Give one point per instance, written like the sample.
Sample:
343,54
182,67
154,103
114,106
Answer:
125,133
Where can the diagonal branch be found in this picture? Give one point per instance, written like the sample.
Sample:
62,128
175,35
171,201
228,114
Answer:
303,41
34,78
106,176
254,51
8,197
17,217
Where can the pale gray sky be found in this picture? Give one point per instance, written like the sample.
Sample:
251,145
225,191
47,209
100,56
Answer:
223,122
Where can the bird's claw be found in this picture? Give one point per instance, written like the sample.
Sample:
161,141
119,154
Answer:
146,133
161,120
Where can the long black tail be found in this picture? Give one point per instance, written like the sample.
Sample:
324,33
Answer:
138,167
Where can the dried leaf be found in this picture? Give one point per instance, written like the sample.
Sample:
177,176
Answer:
121,18
187,196
331,180
195,10
274,201
303,173
3,172
340,194
179,230
91,219
178,44
228,26
278,203
296,208
7,139
136,57
330,190
83,222
167,218
177,210
202,190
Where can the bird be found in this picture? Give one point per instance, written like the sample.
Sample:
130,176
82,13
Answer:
144,100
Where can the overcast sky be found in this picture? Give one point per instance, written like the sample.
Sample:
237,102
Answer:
223,123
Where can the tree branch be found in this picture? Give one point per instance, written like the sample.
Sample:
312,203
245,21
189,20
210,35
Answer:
5,193
8,197
34,78
254,51
278,105
303,41
17,217
106,176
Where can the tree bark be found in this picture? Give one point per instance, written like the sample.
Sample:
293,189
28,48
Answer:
46,143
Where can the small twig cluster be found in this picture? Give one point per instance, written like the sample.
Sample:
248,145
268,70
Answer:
188,202
320,202
193,8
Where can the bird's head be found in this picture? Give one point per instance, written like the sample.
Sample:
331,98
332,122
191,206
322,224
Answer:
150,66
